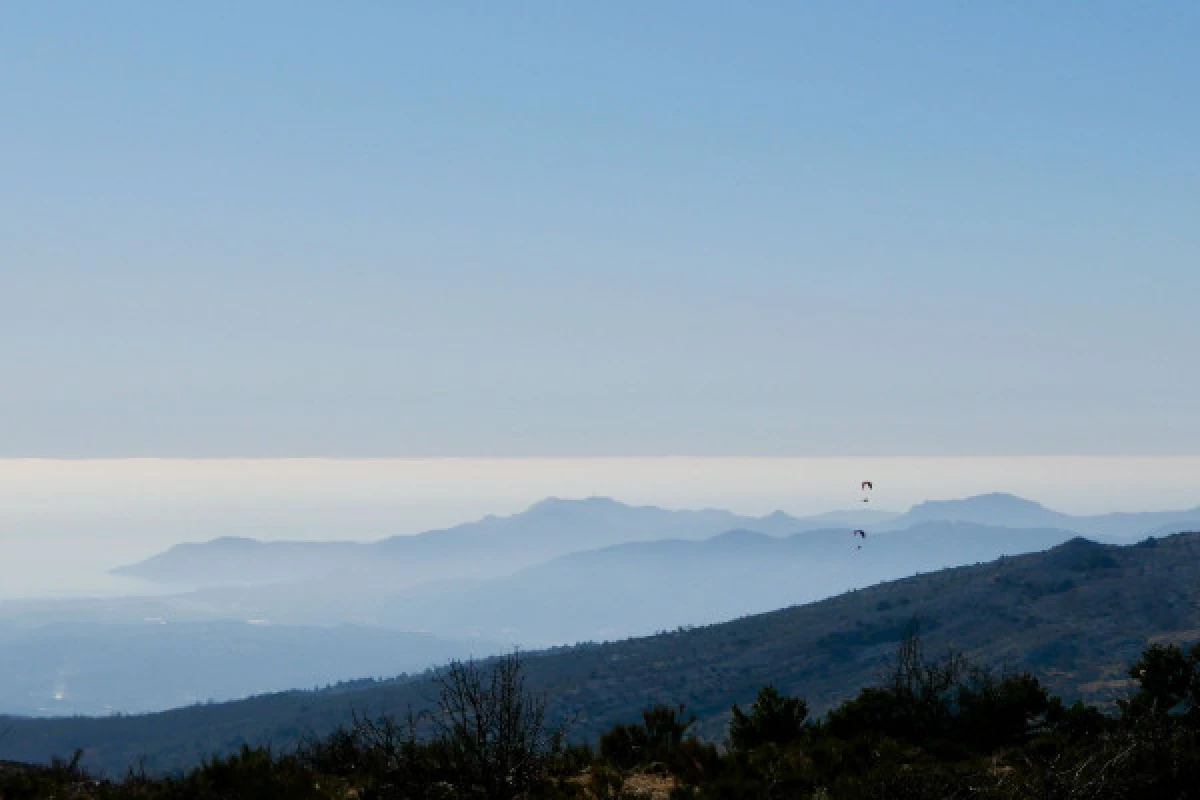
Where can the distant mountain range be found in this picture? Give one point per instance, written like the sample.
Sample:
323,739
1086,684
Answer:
566,571
562,572
496,546
1075,615
1010,511
595,595
643,587
488,547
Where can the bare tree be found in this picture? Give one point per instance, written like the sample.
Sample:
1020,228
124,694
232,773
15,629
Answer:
497,742
909,674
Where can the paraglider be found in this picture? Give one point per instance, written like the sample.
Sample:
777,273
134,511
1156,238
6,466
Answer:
864,487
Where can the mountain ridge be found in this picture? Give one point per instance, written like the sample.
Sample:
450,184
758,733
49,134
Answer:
1009,510
547,529
553,527
666,583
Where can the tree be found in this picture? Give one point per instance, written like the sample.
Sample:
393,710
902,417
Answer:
660,733
492,731
1168,683
993,711
773,719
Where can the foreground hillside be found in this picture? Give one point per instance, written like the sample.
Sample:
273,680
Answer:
1076,616
942,727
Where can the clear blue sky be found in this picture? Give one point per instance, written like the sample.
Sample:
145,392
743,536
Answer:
289,228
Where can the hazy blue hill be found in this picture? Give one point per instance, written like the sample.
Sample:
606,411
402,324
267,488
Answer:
1143,523
555,527
639,588
1076,615
486,548
238,561
1006,510
858,518
496,546
663,584
998,508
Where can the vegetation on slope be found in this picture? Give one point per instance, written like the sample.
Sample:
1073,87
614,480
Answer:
932,728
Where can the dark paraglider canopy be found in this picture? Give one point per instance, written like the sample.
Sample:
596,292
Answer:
867,486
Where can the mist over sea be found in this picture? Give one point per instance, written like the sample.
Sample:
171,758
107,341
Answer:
64,523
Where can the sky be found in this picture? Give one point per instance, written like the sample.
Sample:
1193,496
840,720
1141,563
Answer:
614,229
